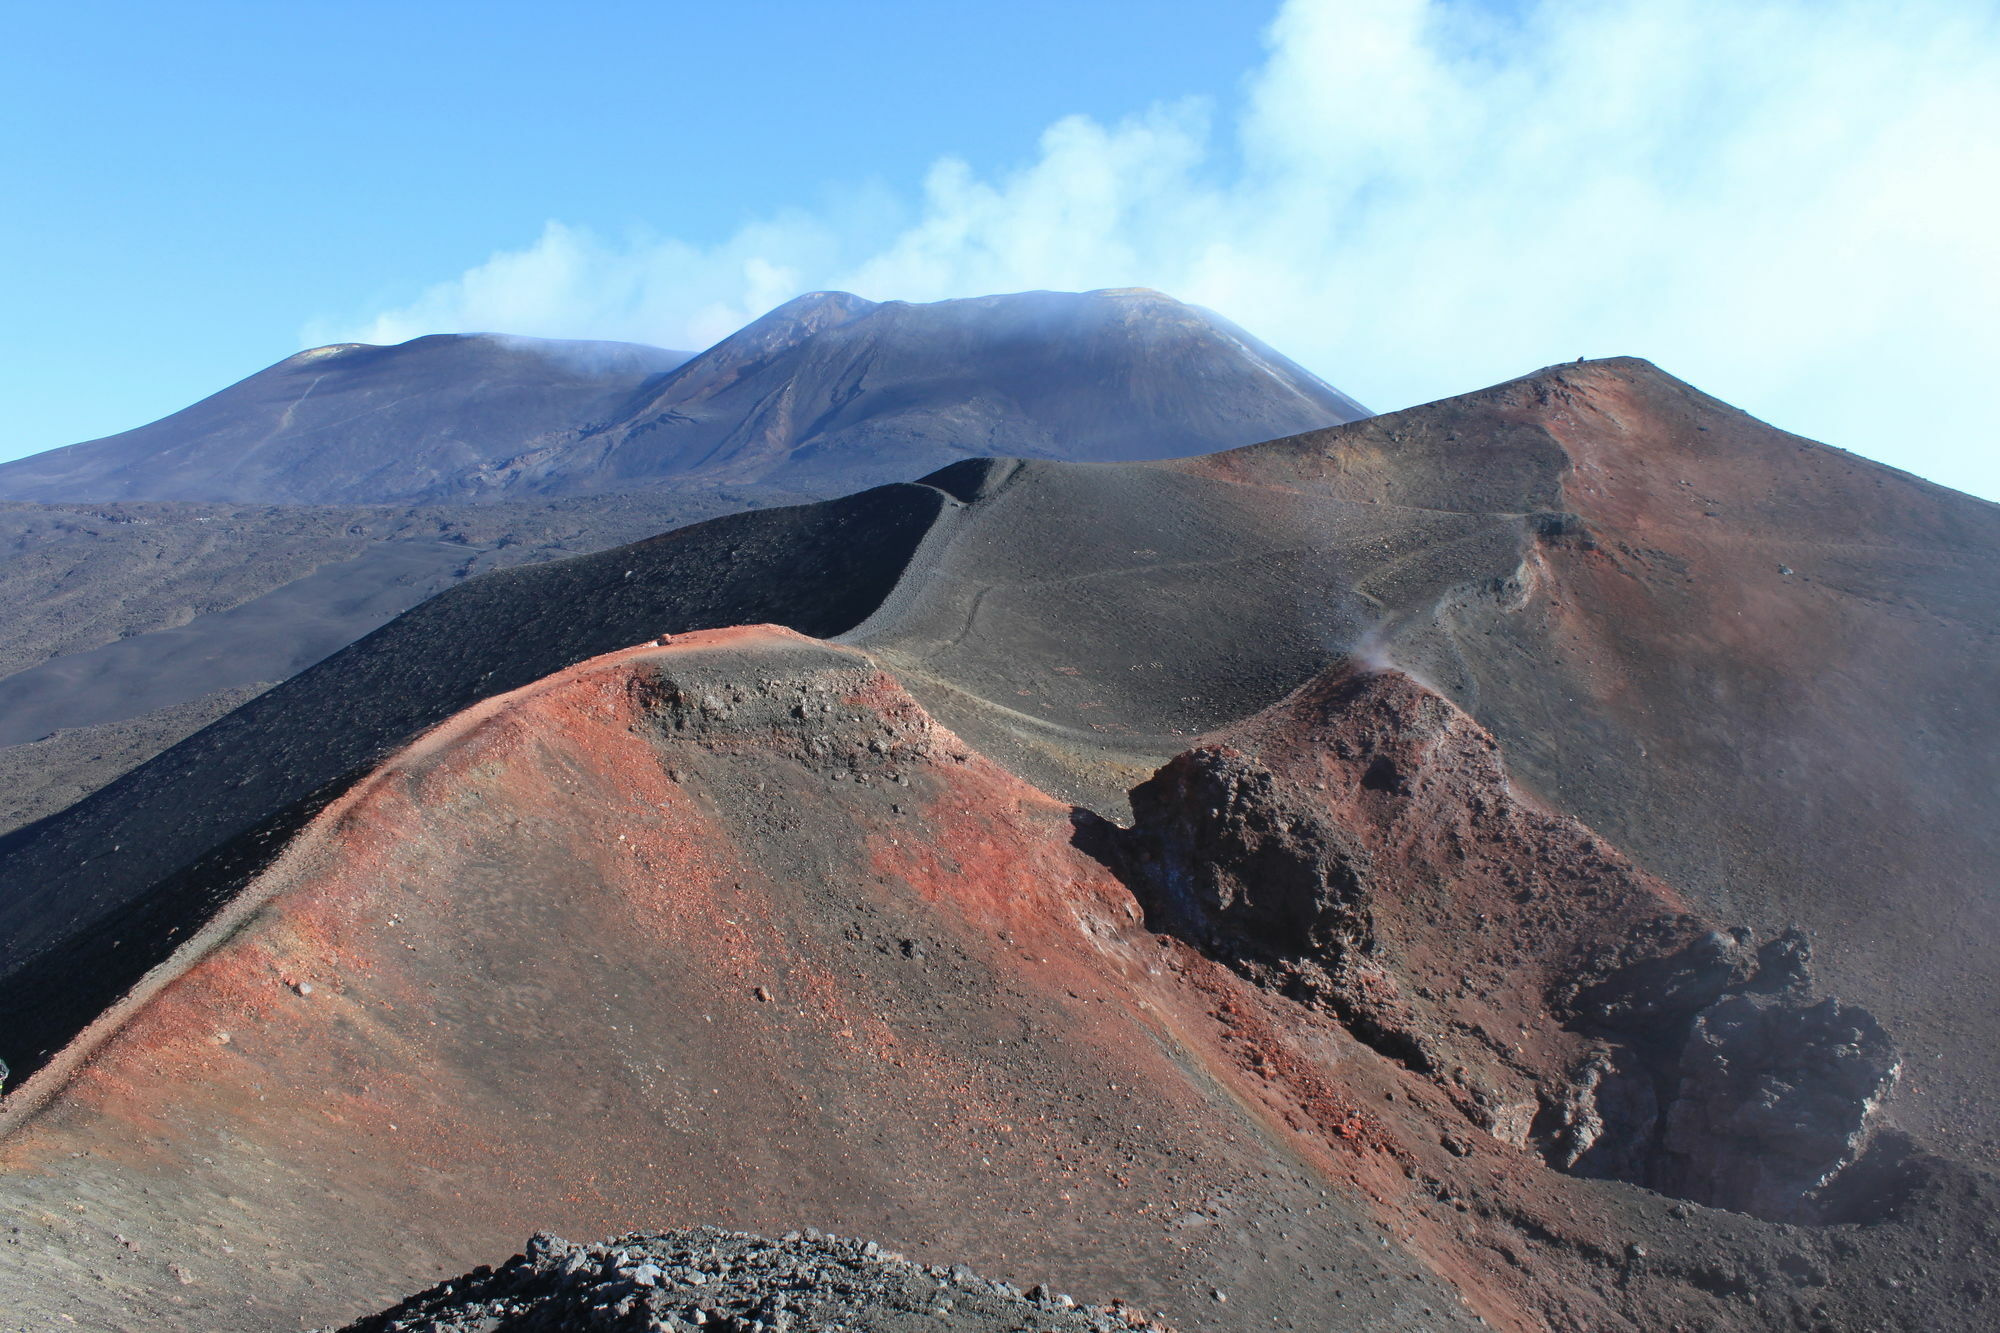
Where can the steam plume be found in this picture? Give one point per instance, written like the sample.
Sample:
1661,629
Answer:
1786,201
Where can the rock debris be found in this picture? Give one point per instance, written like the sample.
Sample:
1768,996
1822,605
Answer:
733,1282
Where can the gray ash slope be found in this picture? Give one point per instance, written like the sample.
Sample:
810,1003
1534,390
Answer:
130,621
146,858
246,537
734,1282
43,776
122,609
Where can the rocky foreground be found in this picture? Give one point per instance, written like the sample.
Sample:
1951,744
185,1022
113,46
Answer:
734,1282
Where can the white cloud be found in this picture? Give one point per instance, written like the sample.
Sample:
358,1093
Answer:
1789,202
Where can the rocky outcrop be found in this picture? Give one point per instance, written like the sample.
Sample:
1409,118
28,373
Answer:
1775,1099
1720,1078
1252,871
1251,868
1359,848
1652,982
734,1282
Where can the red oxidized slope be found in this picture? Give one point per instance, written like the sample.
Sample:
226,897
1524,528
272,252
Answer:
726,931
1761,666
729,930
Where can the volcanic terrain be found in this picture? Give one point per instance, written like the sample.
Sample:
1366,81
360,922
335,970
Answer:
1525,859
163,574
828,390
353,423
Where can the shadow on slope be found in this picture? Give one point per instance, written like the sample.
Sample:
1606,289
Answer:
99,894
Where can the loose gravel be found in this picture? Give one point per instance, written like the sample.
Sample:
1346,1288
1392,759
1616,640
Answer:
733,1282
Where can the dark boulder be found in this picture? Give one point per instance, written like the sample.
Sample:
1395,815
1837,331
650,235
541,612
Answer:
1775,1100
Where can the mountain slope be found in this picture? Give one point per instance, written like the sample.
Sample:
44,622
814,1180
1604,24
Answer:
41,777
1768,669
129,620
1821,754
352,424
1493,947
349,469
729,930
831,390
147,857
827,394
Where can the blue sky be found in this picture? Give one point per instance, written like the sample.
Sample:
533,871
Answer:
1787,202
184,187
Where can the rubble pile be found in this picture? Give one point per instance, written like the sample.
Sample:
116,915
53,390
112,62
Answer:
733,1282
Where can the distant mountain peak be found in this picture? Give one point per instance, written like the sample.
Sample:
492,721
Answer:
829,392
767,336
830,300
326,353
806,314
352,423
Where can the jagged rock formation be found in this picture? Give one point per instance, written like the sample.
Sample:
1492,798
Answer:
729,1282
1775,1100
1721,1078
1368,855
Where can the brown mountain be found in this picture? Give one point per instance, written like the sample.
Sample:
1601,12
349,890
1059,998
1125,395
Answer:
1518,858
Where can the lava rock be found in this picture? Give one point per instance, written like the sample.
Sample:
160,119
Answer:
1775,1100
1235,859
729,1282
